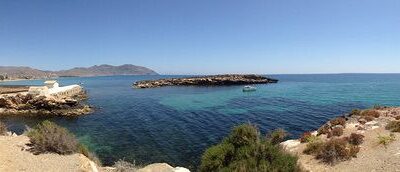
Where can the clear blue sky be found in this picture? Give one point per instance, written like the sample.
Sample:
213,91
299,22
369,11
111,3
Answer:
204,36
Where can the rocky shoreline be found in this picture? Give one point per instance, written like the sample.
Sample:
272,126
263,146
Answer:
30,105
360,129
212,80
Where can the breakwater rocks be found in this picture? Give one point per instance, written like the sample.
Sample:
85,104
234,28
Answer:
214,80
27,104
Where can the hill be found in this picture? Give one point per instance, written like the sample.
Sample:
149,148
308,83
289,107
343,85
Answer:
14,72
107,70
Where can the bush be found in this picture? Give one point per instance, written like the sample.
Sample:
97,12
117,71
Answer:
277,136
393,126
305,136
370,113
313,148
356,139
3,129
325,129
385,140
355,112
48,137
124,166
397,117
245,150
337,131
338,121
336,150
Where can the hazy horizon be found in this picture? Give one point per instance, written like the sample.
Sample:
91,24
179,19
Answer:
204,37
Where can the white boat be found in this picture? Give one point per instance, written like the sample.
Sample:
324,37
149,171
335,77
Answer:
249,88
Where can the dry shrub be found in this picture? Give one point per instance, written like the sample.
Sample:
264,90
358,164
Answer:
124,166
48,137
277,136
325,129
3,129
337,131
371,113
356,139
336,150
338,121
369,118
397,117
313,148
393,126
355,112
305,136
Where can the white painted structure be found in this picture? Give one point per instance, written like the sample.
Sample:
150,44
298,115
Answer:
52,89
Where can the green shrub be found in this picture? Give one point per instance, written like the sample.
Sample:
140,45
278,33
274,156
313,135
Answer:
304,137
245,150
336,150
393,126
356,139
385,140
277,136
3,129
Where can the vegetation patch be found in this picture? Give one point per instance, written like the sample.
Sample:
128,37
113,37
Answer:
246,150
355,112
336,150
313,148
124,166
386,140
356,139
325,129
48,137
393,126
338,121
370,113
337,131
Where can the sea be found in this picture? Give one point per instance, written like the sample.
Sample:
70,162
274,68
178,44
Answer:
176,124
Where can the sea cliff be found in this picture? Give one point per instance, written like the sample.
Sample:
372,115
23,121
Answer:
212,80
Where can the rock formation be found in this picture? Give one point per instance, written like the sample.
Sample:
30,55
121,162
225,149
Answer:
27,104
214,80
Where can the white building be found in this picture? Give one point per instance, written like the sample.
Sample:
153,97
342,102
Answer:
53,89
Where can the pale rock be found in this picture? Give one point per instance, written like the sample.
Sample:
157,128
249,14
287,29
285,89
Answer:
181,169
314,133
372,123
290,144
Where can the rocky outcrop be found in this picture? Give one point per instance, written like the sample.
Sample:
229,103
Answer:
40,105
214,80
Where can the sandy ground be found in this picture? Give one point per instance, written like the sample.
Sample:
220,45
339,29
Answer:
372,156
14,157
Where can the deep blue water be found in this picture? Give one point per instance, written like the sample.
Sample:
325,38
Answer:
176,124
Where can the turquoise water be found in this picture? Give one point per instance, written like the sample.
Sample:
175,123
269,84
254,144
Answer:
176,124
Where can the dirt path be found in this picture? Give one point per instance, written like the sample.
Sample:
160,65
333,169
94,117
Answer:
14,157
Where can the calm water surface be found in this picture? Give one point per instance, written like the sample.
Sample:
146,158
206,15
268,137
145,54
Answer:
176,124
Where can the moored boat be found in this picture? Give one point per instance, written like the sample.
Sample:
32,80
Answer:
248,88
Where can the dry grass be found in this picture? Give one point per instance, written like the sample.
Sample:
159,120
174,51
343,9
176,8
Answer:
124,166
371,113
313,148
386,140
337,131
325,129
338,121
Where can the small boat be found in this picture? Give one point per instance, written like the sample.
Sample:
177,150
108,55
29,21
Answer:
248,88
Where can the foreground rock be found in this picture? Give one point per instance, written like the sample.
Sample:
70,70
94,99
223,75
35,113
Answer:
26,104
214,80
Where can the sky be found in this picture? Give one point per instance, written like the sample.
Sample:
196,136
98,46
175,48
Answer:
204,36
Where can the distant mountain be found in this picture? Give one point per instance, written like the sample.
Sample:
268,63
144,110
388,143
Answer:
107,70
13,72
16,72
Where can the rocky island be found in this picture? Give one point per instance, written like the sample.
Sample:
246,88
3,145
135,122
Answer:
212,80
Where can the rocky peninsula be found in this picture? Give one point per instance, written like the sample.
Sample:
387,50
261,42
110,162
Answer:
43,100
212,80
